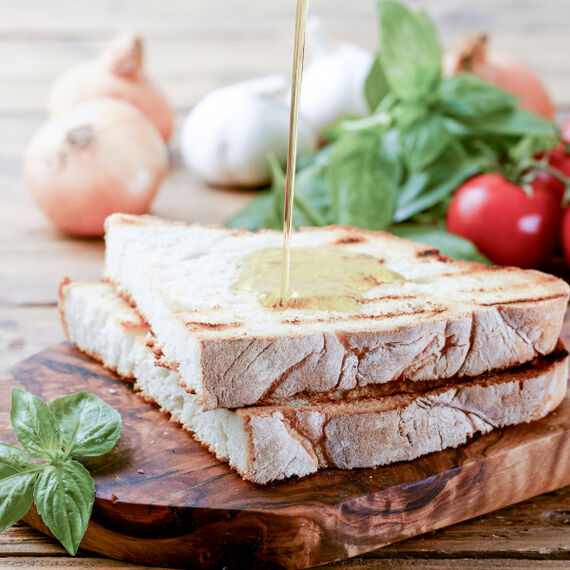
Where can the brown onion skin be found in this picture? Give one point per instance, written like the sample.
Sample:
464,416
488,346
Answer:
118,72
503,71
103,156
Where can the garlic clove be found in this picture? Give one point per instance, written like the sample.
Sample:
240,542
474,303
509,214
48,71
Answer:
229,134
333,82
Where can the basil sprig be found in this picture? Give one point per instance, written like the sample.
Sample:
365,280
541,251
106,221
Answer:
79,424
426,135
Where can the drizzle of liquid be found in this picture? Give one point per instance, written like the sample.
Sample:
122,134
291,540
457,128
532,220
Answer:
322,279
298,53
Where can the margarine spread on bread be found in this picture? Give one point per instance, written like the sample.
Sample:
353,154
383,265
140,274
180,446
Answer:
322,279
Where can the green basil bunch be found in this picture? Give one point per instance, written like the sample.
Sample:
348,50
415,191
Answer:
425,136
80,424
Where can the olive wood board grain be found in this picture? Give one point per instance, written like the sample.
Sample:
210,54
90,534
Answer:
163,500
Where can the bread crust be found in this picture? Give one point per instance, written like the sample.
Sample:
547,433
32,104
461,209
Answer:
499,338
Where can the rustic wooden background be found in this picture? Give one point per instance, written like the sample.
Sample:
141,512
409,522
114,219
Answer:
192,47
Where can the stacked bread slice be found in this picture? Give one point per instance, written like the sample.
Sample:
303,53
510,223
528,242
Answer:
454,350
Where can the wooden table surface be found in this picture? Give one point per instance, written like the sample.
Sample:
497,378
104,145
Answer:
192,47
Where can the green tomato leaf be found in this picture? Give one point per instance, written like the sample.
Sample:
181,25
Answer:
424,141
34,424
17,477
448,244
363,176
376,85
528,147
89,425
410,52
468,96
64,495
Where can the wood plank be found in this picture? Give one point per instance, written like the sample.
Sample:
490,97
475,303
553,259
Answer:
187,69
536,529
25,331
449,564
56,563
53,563
183,16
207,514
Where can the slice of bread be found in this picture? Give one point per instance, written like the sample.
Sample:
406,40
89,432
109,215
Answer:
448,319
265,443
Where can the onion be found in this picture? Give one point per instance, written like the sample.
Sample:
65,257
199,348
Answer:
103,156
118,72
503,71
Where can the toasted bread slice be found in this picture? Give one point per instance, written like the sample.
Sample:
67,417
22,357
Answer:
264,443
448,319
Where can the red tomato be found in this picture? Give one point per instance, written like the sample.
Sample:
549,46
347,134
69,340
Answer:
560,160
565,234
545,182
565,130
507,226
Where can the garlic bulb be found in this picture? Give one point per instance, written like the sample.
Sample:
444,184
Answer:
333,82
117,72
103,156
228,135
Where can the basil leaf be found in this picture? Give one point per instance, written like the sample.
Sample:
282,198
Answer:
424,141
89,425
468,96
363,176
448,244
64,495
409,50
34,425
515,122
416,199
278,187
407,113
17,477
254,215
376,85
311,201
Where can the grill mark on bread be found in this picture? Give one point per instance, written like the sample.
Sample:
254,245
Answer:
428,253
197,325
528,300
378,316
350,239
396,297
130,325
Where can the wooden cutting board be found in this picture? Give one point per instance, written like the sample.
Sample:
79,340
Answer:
164,500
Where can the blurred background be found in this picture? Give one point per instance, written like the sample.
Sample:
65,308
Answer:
191,47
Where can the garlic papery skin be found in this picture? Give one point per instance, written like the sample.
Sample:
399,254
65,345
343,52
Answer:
333,81
229,134
118,72
103,156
